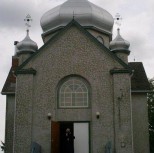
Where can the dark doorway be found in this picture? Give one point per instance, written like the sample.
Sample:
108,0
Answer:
65,146
79,130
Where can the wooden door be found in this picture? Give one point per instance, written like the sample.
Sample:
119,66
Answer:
55,137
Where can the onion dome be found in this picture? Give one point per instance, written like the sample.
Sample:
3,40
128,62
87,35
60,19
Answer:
84,12
119,44
27,45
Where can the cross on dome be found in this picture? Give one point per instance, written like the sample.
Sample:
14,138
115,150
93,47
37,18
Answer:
28,19
119,44
27,45
118,19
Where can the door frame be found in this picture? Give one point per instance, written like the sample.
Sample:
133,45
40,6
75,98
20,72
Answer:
89,129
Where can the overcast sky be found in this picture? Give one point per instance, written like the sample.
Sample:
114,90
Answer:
137,28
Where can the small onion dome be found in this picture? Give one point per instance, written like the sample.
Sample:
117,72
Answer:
84,12
27,45
119,44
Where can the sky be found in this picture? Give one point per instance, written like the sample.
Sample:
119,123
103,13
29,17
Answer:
136,27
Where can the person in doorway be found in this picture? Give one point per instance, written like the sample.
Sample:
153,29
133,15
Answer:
69,141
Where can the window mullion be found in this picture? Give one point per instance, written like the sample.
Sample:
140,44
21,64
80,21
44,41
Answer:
73,93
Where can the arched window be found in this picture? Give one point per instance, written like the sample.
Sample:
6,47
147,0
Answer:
73,93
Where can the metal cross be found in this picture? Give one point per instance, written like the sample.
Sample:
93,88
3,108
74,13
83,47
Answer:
28,19
118,19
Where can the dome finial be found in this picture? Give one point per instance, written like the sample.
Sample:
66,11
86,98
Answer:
118,31
28,19
119,44
27,45
27,32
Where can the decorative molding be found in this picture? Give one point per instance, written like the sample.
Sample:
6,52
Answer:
8,93
113,71
125,51
25,71
142,91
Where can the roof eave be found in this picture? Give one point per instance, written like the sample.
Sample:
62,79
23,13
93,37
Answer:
8,93
142,91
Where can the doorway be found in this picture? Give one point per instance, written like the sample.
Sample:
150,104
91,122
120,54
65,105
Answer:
80,130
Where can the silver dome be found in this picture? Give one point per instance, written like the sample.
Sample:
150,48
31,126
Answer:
119,44
83,11
27,45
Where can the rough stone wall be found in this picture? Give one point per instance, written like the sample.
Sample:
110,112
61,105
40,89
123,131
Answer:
140,122
23,115
95,33
9,125
122,114
23,57
123,56
49,36
105,37
76,54
71,54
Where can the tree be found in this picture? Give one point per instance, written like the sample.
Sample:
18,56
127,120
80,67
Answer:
151,115
3,146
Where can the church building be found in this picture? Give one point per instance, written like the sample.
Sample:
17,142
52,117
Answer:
77,93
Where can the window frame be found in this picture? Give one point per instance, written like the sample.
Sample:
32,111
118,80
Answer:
86,84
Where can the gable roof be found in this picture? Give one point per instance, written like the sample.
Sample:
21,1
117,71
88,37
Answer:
76,24
10,83
139,80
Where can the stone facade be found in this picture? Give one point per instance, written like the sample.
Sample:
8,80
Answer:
9,125
23,114
75,52
140,122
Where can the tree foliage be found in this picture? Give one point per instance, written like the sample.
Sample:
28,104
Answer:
151,115
2,146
